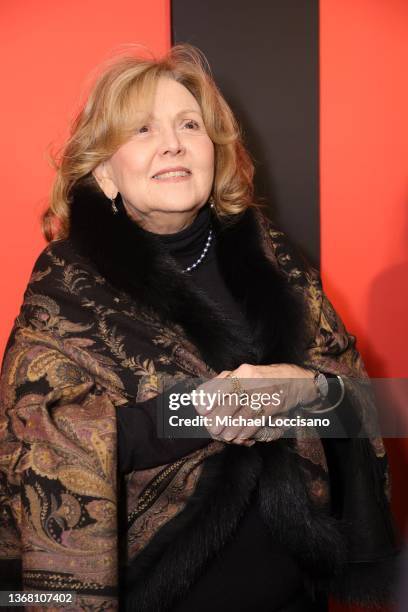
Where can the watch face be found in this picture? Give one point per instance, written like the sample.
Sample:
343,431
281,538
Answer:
323,385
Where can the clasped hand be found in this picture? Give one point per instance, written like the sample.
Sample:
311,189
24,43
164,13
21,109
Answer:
287,386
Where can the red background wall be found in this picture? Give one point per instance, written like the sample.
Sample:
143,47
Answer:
364,187
51,49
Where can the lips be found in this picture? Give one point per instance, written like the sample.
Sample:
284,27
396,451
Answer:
179,171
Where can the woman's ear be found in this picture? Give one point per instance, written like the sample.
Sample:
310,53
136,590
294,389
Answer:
102,176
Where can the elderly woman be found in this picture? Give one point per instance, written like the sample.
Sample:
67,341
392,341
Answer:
162,269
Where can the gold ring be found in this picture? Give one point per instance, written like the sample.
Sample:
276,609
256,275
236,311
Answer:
237,388
236,385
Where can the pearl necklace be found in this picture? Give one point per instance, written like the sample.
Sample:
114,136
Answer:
203,254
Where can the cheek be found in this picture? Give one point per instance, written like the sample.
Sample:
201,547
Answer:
128,162
206,157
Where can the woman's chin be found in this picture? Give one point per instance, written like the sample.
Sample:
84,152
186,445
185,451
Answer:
183,206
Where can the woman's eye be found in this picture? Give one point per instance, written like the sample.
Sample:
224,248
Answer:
192,125
143,129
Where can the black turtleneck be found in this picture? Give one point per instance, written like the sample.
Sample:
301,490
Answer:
187,245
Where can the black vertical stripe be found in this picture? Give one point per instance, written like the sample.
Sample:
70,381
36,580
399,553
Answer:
264,56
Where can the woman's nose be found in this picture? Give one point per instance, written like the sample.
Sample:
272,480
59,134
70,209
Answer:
170,142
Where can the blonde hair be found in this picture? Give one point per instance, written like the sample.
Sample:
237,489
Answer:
108,119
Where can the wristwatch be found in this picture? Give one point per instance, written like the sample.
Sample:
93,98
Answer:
326,391
322,384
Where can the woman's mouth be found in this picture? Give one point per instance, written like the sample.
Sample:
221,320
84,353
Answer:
173,176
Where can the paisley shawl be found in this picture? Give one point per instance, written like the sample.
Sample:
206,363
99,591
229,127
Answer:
109,320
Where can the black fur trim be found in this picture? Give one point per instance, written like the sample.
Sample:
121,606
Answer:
177,554
372,584
275,311
134,261
318,541
311,535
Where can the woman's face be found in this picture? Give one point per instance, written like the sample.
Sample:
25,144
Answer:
165,172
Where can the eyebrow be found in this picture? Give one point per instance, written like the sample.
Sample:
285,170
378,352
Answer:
184,111
188,110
